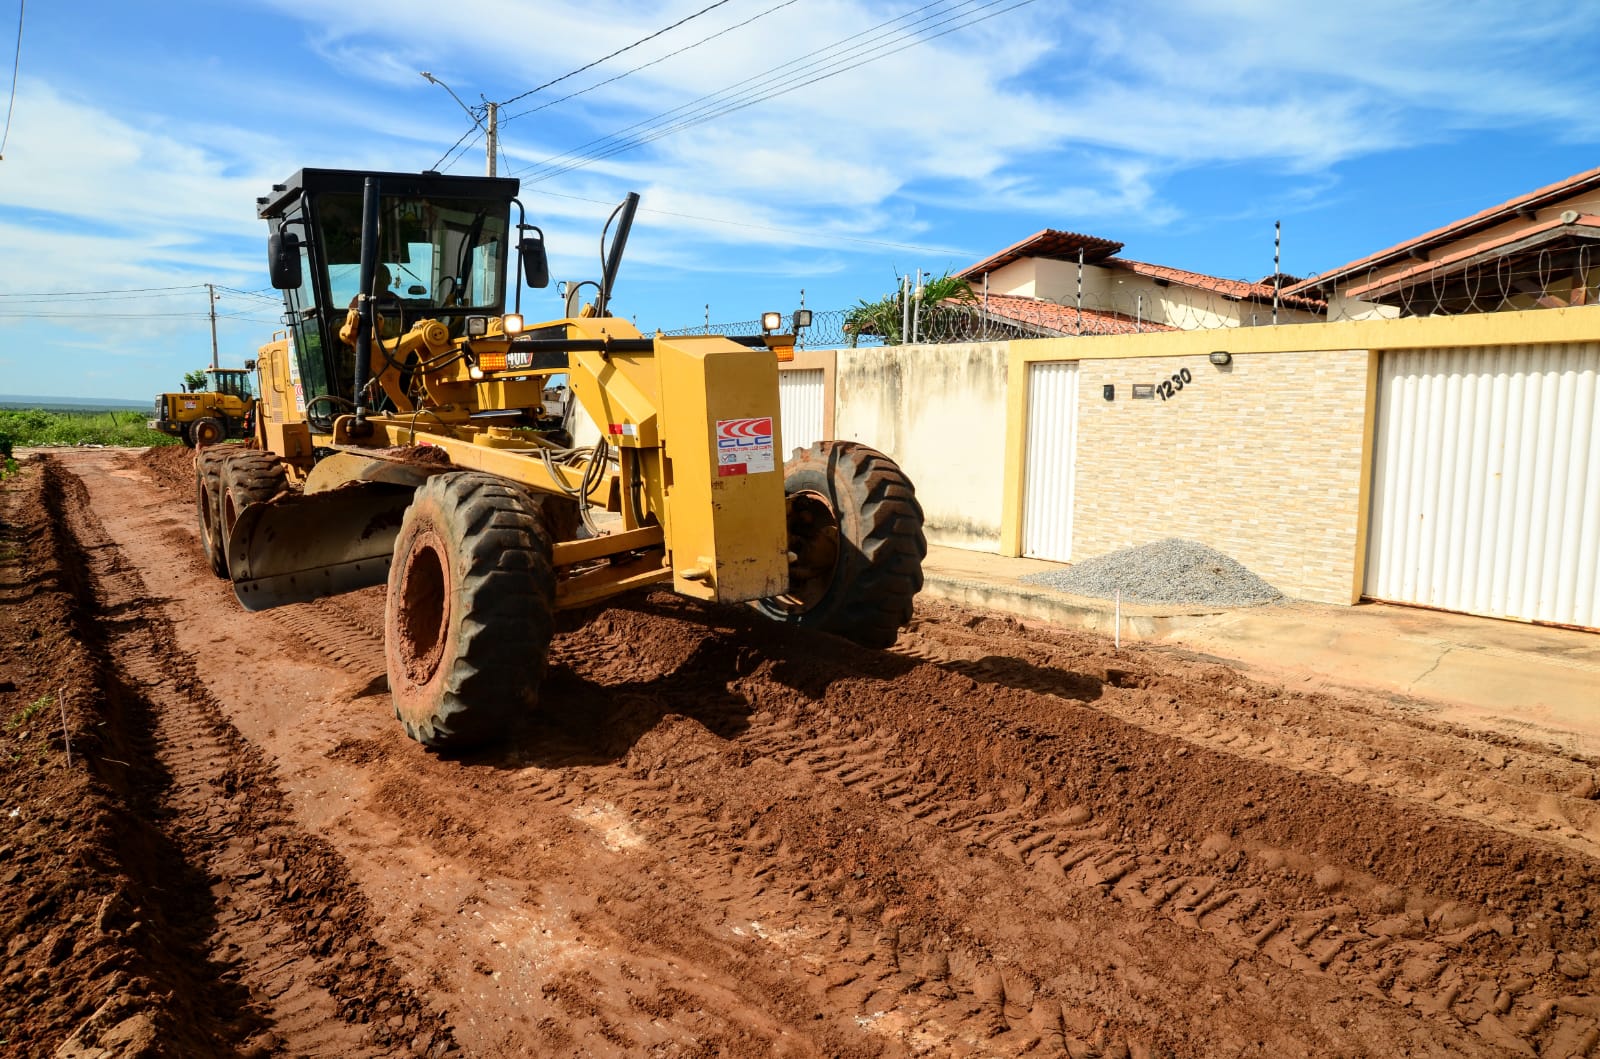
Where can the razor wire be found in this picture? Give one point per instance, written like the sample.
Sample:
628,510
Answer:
1550,279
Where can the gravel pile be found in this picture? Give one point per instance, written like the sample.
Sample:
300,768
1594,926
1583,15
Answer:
1168,571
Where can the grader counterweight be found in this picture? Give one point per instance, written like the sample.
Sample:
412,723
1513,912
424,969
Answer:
403,438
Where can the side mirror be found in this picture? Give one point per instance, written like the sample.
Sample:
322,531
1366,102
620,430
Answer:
535,265
283,260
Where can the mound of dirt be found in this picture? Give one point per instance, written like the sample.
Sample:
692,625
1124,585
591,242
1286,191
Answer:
172,467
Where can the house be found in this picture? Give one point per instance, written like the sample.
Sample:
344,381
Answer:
1057,283
1446,460
1539,250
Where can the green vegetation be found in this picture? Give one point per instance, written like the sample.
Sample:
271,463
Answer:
37,427
940,298
194,381
30,711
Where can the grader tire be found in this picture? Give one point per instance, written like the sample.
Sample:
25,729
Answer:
855,529
247,478
206,431
468,616
207,498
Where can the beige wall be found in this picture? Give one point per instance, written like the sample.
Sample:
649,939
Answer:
1261,459
1343,308
939,411
1120,290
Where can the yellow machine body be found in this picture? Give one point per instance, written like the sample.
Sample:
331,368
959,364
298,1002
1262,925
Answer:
693,420
225,406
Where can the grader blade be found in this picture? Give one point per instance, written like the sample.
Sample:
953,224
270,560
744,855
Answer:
303,547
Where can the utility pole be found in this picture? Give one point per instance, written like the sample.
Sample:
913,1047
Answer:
493,130
212,291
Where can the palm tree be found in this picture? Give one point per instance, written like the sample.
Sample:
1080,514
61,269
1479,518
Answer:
934,303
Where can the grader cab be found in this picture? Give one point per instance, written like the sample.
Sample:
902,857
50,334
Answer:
404,438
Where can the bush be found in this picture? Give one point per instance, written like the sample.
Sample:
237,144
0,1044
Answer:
33,426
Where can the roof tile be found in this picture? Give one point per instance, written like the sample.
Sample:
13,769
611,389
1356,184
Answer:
1064,319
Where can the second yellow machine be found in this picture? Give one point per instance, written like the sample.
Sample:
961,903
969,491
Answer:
412,432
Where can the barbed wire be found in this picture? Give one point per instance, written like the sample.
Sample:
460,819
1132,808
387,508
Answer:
1556,279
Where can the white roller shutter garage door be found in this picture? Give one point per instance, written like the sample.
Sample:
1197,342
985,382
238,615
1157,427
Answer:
1486,482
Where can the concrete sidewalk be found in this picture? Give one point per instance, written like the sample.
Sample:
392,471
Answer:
1531,681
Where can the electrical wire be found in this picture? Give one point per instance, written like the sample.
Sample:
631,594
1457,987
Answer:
16,66
26,315
457,145
646,66
831,237
613,55
767,86
863,37
85,293
249,293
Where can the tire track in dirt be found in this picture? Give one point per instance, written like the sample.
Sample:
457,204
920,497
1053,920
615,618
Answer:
286,923
1452,960
1524,787
771,843
1422,953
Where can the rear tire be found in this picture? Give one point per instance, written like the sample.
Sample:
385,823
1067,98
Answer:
855,528
247,478
207,494
206,431
468,616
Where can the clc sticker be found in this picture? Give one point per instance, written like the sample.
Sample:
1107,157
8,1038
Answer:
744,446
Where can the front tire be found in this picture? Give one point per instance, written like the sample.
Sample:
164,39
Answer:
206,431
207,496
248,477
855,529
468,616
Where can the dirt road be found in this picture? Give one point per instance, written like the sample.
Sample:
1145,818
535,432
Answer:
718,837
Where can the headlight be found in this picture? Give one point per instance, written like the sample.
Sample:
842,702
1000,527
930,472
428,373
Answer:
771,322
474,372
511,323
477,326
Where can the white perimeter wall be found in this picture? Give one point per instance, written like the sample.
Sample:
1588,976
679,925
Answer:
940,412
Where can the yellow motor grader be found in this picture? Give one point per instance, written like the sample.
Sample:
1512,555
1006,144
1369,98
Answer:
404,437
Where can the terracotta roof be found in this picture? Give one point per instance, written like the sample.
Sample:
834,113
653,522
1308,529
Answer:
1049,243
1232,289
1063,319
1585,227
1522,205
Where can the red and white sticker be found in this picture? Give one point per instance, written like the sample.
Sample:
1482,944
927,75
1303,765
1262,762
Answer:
744,446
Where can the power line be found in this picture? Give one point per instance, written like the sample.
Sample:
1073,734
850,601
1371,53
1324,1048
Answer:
767,86
773,71
445,158
250,293
244,313
646,66
616,53
114,290
831,236
16,65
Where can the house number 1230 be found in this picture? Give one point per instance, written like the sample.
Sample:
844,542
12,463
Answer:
1169,387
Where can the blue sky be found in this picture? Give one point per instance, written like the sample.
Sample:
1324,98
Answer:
142,133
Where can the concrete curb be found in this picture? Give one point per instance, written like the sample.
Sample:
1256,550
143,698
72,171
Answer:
1141,622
